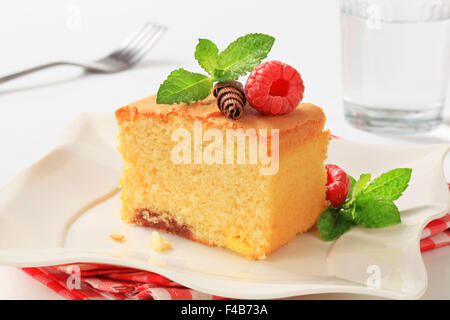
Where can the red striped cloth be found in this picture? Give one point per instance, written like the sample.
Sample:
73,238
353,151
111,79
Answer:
436,234
84,281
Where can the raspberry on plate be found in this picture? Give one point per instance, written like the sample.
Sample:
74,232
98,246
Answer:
338,185
274,88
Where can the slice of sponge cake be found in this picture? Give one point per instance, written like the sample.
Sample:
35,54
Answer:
184,172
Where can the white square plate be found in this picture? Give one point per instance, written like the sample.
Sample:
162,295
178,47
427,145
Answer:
63,208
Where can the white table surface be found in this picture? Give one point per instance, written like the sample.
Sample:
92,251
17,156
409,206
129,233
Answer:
34,110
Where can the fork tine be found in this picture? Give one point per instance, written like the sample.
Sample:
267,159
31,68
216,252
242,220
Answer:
135,41
135,35
139,52
131,40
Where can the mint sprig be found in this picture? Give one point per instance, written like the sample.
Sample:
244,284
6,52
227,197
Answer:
389,185
369,204
376,213
239,58
184,86
242,55
207,55
334,222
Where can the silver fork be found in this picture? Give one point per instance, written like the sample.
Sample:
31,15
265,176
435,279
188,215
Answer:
128,54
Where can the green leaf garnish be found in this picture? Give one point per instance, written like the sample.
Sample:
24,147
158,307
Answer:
207,55
369,204
239,58
184,86
352,185
376,213
389,185
360,184
242,55
332,223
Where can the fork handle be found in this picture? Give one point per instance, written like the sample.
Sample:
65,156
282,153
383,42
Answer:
34,69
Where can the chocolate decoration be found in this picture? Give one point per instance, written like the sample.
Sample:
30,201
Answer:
230,98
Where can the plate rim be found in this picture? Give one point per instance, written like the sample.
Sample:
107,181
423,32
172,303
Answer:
30,257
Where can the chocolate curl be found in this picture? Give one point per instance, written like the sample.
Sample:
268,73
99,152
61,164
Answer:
230,98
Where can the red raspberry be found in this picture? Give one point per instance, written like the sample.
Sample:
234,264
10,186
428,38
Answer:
274,88
338,184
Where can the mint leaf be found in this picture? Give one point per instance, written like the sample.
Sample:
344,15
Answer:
184,86
352,185
242,55
207,55
361,183
348,211
389,185
355,189
332,224
376,213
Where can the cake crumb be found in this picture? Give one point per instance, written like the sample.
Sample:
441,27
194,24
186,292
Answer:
158,243
117,237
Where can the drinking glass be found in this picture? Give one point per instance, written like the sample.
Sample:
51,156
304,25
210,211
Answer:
395,63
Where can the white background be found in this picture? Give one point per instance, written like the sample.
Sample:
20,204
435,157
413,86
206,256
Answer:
35,109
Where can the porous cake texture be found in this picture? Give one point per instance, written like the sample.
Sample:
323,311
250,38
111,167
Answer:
231,204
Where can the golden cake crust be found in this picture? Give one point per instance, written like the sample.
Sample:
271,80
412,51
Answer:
206,110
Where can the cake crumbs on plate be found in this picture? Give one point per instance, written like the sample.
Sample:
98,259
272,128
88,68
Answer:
117,237
158,243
